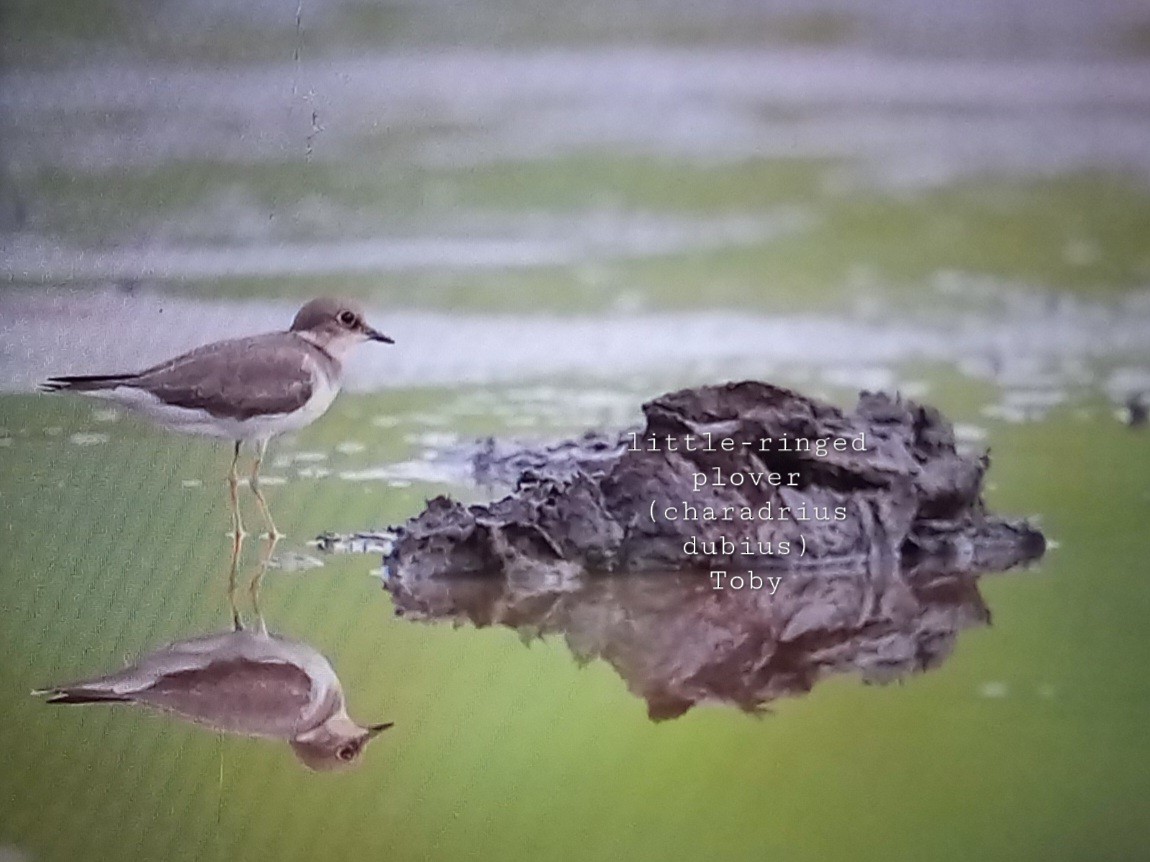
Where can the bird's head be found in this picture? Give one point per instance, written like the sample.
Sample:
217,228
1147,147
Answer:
336,325
337,744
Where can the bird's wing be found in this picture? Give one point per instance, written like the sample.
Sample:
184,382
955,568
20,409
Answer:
237,695
236,379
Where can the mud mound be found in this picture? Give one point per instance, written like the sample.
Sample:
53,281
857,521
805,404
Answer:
742,476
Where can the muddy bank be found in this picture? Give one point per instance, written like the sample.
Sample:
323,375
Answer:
733,477
677,642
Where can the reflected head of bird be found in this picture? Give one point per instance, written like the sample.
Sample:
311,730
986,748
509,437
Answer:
337,744
335,325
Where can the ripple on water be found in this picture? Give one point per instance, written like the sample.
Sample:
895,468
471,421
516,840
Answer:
432,439
403,473
88,438
969,434
289,459
994,690
312,473
295,561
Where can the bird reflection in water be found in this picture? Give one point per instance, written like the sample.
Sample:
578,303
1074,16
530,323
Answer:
248,682
254,583
678,642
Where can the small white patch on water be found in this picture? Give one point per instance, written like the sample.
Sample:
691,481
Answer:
349,447
913,388
294,561
965,433
191,483
436,419
994,690
872,379
313,473
1006,413
562,406
308,457
105,415
1081,252
88,439
432,439
1036,399
403,473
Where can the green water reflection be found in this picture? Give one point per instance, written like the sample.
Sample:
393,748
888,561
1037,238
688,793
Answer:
1029,742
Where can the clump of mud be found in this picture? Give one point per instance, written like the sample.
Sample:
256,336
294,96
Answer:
895,492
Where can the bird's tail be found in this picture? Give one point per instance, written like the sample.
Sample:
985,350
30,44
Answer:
85,382
79,694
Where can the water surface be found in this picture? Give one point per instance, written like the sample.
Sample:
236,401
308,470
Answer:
559,214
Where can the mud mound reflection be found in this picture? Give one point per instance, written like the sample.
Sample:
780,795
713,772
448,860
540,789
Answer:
677,642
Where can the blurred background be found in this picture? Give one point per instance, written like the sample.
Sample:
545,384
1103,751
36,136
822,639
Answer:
560,210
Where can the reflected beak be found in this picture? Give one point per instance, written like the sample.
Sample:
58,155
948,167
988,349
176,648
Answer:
377,729
376,335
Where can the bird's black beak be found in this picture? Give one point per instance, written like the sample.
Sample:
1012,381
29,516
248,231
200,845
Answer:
376,729
376,335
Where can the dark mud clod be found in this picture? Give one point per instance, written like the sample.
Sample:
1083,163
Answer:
586,504
1137,411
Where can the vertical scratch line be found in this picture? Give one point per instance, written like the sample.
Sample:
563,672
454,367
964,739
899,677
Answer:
298,47
220,803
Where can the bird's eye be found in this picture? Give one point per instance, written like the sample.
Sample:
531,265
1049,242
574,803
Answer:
347,753
347,318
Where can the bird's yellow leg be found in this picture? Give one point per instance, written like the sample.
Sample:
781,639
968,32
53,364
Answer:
234,493
257,580
254,484
233,577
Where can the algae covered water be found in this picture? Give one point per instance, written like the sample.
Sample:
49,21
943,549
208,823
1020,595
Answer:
559,216
117,545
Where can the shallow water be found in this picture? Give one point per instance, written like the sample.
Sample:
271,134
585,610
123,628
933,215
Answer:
559,214
503,750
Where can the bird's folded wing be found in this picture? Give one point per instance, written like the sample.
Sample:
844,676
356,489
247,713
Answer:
236,694
236,379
